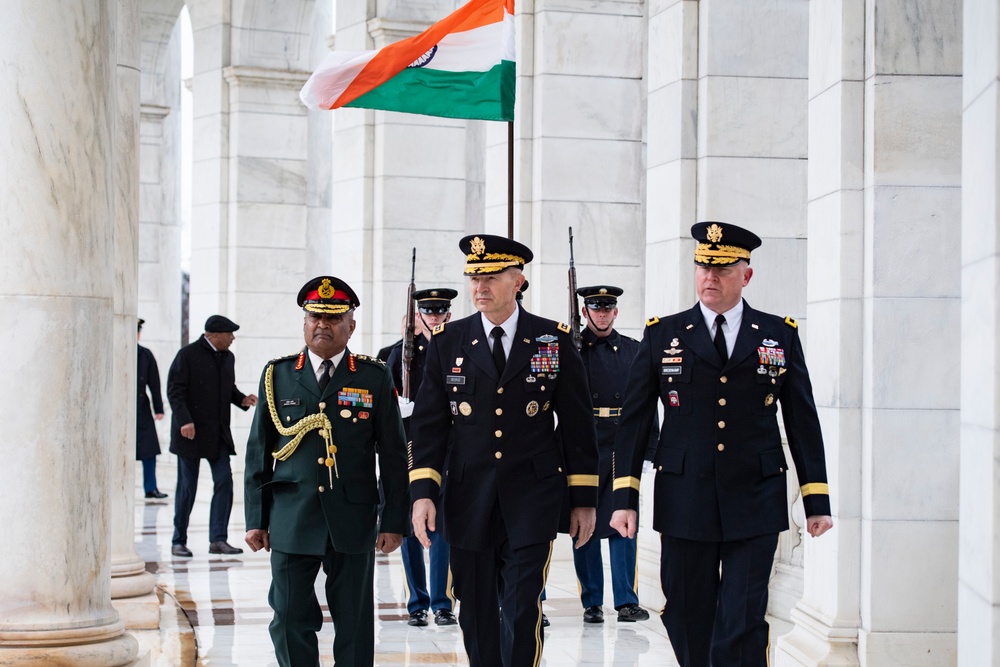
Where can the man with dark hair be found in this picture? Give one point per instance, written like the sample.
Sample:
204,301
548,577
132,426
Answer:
201,384
720,370
311,493
484,426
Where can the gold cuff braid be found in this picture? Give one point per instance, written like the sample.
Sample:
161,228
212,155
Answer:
298,431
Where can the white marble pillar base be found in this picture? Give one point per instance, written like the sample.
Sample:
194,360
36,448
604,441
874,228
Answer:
815,642
103,646
140,612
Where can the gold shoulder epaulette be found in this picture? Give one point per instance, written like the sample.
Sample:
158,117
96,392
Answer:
370,360
792,323
653,320
438,329
563,327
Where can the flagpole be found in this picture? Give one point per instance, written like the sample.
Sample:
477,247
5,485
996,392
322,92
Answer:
510,179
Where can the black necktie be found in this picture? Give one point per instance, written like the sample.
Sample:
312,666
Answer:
324,379
720,338
498,356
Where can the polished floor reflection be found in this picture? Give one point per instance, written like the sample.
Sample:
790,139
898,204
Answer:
214,609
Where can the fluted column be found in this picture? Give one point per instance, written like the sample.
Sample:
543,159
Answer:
131,585
57,300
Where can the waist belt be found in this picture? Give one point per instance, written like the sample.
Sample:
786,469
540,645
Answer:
607,412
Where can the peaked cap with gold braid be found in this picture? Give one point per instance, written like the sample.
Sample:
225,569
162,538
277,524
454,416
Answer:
328,295
722,244
486,253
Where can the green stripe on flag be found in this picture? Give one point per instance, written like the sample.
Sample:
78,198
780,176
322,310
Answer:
478,95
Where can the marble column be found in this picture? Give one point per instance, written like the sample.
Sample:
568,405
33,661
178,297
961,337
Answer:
885,204
979,531
131,585
57,217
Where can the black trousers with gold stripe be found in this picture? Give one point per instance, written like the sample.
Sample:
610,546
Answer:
501,612
711,618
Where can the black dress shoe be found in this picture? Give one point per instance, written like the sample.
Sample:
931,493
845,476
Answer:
444,617
418,619
156,493
223,548
631,613
593,615
545,621
180,550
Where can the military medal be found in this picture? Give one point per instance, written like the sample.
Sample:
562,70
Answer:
345,413
532,409
768,400
465,409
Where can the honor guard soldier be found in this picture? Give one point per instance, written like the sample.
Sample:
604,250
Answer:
311,494
720,369
433,307
607,356
484,426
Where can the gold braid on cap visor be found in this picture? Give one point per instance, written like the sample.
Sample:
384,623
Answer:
482,264
327,308
722,254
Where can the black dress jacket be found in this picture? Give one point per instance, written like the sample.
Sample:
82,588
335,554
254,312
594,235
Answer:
147,444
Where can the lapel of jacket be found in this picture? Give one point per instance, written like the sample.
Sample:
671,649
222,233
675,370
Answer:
746,339
477,347
520,351
697,337
307,376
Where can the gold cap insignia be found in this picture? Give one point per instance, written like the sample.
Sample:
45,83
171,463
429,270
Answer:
326,290
478,246
603,291
714,233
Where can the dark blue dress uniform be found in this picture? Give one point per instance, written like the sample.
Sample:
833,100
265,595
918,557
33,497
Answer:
435,594
607,361
491,441
720,487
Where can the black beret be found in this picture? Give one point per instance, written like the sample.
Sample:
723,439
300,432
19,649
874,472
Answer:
486,253
220,324
327,294
722,244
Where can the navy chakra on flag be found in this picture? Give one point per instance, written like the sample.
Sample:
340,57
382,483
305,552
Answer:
424,59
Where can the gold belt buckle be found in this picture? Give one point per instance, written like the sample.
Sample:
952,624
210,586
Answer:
604,412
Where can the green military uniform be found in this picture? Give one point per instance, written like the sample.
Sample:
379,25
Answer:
311,483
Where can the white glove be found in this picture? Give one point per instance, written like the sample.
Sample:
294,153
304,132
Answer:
647,466
405,407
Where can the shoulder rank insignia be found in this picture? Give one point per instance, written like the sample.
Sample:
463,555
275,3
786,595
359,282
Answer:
653,320
562,326
438,329
364,357
792,323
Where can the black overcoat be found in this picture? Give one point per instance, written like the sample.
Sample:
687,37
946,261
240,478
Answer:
201,385
147,444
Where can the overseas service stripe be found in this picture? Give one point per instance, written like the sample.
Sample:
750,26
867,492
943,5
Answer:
583,480
816,488
625,483
425,473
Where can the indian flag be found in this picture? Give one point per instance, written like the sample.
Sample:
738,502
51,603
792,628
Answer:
460,67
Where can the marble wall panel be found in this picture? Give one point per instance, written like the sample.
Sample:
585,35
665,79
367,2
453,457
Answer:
915,126
914,37
979,474
417,203
263,135
836,44
916,227
603,233
672,123
836,139
438,152
672,32
756,117
980,37
209,176
918,380
282,266
979,619
914,462
270,181
671,206
593,107
670,286
270,226
589,170
842,437
584,44
979,198
836,247
150,202
776,286
754,38
980,398
892,599
149,242
752,191
210,130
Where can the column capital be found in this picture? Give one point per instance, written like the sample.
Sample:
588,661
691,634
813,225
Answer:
264,77
153,112
387,31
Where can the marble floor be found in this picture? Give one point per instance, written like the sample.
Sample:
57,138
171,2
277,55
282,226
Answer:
214,609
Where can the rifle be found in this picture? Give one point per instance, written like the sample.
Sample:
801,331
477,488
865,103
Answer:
574,305
410,330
